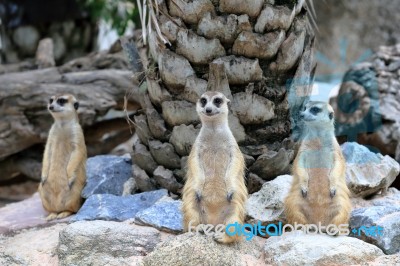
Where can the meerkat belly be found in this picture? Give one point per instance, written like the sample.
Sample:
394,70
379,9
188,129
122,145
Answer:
60,155
216,204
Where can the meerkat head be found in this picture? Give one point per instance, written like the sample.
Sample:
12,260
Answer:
63,106
212,106
317,114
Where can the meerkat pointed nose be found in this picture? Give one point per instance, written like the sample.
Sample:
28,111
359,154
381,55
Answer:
51,107
208,110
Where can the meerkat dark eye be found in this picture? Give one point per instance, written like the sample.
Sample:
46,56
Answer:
217,101
51,101
330,116
62,101
203,101
315,110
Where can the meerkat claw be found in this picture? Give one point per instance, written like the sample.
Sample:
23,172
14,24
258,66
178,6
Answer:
229,196
304,192
332,192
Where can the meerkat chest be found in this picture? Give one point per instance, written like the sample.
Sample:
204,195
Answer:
321,158
215,160
63,140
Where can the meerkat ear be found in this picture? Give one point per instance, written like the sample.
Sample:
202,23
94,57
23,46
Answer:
227,100
76,105
330,116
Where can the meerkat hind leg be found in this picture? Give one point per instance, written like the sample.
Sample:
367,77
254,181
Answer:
64,214
51,216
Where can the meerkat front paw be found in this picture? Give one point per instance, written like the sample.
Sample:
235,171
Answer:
332,191
198,196
304,191
229,196
71,181
43,180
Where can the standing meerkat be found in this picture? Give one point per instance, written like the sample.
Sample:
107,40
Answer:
319,192
64,160
215,190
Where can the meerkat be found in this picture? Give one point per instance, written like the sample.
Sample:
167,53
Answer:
215,190
64,160
319,192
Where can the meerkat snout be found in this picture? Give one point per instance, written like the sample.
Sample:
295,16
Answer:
318,112
212,105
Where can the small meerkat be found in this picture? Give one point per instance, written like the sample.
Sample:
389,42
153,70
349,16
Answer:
319,192
64,160
215,190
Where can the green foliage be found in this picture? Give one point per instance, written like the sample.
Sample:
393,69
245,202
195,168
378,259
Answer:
119,13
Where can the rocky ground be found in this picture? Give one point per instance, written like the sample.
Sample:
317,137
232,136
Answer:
115,227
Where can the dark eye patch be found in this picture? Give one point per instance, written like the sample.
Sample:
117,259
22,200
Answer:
217,101
315,110
61,101
51,101
330,116
203,102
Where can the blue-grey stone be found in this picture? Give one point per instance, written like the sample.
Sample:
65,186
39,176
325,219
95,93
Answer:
117,208
106,174
164,215
358,154
387,218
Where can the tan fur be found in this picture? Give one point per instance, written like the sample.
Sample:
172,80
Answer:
215,171
64,162
327,196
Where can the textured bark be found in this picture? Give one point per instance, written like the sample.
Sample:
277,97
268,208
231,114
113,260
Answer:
259,55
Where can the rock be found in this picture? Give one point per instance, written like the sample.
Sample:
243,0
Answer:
190,11
31,247
298,248
255,45
182,138
386,217
26,38
106,174
44,54
163,215
170,27
157,94
240,70
385,260
142,180
59,46
224,28
274,18
291,49
142,157
105,243
249,7
194,88
33,215
236,128
176,113
166,179
174,69
117,208
197,49
252,108
267,205
142,128
193,249
254,183
271,164
164,154
368,173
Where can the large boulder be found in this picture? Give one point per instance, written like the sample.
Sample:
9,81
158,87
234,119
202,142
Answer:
378,225
105,243
267,205
368,173
197,249
106,174
298,248
31,247
117,208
